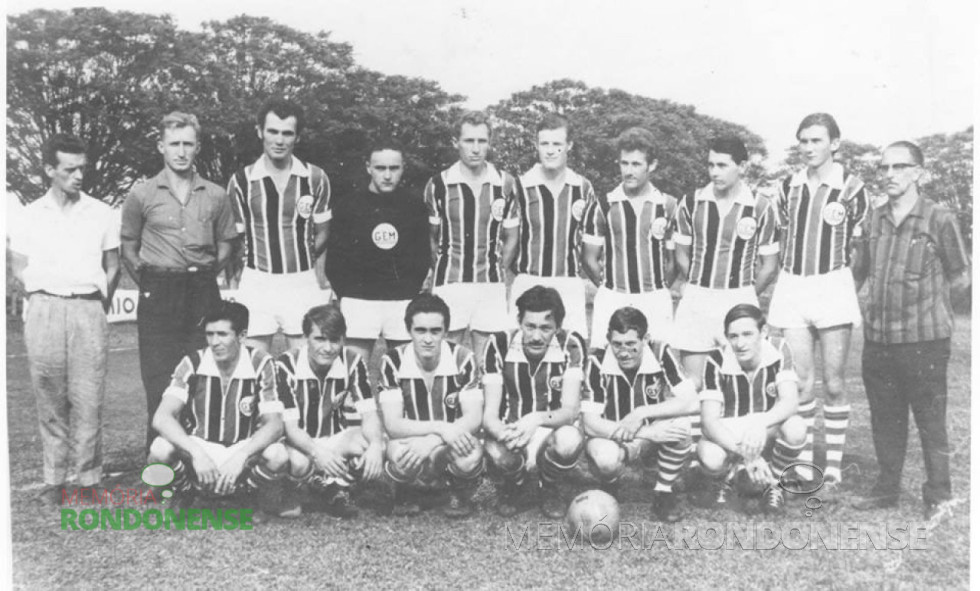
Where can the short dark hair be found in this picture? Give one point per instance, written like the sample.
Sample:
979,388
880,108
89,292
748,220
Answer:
382,145
64,143
824,120
626,319
283,109
426,303
914,150
731,145
474,118
639,139
328,318
228,310
554,121
541,299
745,311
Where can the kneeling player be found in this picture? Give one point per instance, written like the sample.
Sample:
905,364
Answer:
532,382
637,400
431,406
750,397
225,395
333,432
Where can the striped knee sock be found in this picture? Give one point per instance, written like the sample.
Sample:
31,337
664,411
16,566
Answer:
835,420
670,461
808,412
784,454
259,476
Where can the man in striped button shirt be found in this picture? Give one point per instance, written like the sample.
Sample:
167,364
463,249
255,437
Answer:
750,397
637,401
532,381
632,227
333,432
543,229
723,231
467,203
282,209
914,259
820,208
220,419
431,407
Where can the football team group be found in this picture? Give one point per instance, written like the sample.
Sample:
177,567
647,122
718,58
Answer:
478,287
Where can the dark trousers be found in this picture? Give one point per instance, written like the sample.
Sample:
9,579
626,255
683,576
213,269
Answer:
168,316
897,377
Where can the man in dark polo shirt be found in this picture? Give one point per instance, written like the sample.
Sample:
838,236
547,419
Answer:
176,233
914,259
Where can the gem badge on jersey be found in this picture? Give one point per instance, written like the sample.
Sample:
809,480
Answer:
497,209
246,405
771,390
746,228
452,400
554,382
304,206
658,229
339,397
834,214
385,236
654,389
578,209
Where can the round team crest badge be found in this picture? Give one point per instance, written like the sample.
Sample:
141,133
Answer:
834,214
452,400
555,383
497,209
246,405
304,207
385,236
654,389
746,228
770,390
339,397
578,208
658,229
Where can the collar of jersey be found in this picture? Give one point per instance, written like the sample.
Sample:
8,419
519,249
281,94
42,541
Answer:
259,171
745,196
515,351
243,371
338,369
535,177
648,363
491,175
651,194
84,201
835,181
729,363
410,369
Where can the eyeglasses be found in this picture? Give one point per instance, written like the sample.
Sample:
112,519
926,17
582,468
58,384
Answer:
899,167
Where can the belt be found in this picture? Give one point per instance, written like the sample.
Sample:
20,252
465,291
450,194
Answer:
94,296
176,270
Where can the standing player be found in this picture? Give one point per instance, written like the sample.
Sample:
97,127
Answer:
467,203
637,399
820,208
282,206
750,397
220,420
431,406
333,432
543,229
532,382
631,226
721,230
66,254
379,254
177,233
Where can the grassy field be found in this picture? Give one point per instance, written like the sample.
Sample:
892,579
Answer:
431,552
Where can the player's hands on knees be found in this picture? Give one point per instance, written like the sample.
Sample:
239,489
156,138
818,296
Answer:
627,429
229,473
206,470
753,440
329,461
373,462
668,431
758,472
458,439
524,429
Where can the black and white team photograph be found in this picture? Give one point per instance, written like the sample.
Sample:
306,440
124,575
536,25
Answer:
489,295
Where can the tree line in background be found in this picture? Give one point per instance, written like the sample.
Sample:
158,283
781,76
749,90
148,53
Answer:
110,76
